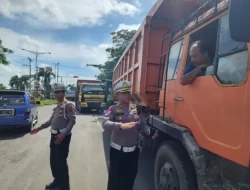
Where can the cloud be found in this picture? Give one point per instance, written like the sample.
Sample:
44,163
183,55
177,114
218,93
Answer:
128,27
60,52
66,13
137,3
6,72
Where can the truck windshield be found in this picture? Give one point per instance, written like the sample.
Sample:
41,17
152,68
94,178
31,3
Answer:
92,89
11,99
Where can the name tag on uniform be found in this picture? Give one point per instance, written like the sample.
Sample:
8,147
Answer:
60,110
118,111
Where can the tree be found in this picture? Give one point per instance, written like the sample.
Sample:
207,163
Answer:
3,52
2,86
20,83
47,76
120,40
71,87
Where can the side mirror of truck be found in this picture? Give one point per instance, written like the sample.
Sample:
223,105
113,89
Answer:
239,20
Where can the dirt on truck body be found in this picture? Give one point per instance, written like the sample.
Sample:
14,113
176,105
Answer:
203,127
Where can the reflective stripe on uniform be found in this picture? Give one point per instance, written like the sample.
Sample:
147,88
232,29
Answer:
124,149
55,132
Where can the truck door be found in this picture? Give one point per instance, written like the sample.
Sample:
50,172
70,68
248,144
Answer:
175,54
215,107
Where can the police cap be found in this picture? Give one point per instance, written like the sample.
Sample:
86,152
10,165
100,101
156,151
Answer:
123,86
59,87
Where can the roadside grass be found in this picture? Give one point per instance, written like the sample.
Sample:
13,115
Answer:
47,102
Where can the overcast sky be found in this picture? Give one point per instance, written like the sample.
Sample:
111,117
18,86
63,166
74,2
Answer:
76,32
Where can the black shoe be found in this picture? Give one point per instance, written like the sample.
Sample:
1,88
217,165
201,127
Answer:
52,186
66,187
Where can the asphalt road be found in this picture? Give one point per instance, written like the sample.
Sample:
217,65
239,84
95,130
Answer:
24,159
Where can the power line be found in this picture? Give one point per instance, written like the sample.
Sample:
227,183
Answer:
36,53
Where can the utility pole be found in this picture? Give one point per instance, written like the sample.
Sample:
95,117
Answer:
30,60
36,53
56,71
29,65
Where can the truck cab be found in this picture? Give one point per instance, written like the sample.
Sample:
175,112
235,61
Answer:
90,95
203,127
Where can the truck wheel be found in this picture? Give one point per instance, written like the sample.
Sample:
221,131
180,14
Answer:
173,168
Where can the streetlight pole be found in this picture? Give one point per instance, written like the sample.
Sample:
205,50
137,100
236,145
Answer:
29,65
30,60
56,71
36,53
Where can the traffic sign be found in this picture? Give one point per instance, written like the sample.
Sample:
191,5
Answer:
48,69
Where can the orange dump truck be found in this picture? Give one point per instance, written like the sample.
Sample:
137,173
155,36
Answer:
204,127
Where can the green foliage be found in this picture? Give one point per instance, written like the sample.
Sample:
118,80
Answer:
120,40
71,87
47,102
2,86
47,76
3,52
19,83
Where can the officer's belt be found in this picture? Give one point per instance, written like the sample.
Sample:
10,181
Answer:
122,148
58,131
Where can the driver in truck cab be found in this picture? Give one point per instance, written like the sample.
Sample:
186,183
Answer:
200,60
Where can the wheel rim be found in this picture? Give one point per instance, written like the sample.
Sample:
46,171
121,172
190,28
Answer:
168,179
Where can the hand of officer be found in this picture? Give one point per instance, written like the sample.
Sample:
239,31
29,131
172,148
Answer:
155,135
130,125
34,131
59,138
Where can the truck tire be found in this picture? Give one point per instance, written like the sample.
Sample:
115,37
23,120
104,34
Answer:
83,110
173,168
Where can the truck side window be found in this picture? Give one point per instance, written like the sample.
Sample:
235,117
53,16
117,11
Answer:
232,56
226,43
174,60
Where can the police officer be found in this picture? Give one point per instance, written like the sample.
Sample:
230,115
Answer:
125,124
61,122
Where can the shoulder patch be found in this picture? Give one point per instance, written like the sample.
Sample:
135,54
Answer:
69,107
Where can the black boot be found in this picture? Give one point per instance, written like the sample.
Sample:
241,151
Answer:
65,187
52,186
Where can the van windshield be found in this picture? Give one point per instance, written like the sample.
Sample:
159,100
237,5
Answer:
11,99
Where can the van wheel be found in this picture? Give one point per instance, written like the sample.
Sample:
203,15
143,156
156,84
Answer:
173,168
36,120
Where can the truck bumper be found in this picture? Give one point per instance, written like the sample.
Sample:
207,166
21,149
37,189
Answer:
93,105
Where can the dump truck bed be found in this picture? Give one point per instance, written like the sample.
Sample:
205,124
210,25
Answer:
140,61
